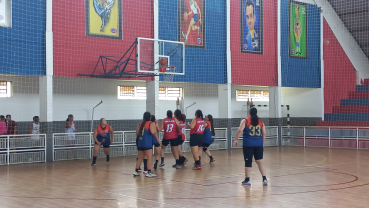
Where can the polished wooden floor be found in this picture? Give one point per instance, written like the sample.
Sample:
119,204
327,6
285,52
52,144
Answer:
298,177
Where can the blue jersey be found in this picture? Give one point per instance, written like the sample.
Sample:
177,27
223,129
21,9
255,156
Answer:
208,135
145,137
252,135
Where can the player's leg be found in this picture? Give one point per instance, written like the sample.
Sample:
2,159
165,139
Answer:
158,154
164,144
96,151
141,155
148,154
258,154
106,151
248,153
194,144
174,148
192,22
207,152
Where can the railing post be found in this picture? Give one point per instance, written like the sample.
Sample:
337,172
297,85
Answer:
226,135
124,141
329,136
46,146
53,147
357,137
90,145
304,136
8,153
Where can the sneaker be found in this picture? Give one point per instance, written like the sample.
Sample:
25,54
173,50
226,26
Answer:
186,160
155,166
212,160
196,167
139,170
265,182
145,171
178,166
135,173
184,37
92,164
150,175
246,182
174,166
162,164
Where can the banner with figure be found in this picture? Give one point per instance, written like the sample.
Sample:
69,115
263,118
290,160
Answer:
191,22
252,26
103,18
297,29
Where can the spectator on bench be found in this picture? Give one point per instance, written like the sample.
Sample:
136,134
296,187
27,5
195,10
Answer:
11,125
2,125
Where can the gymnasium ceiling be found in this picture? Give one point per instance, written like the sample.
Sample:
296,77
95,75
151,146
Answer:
355,15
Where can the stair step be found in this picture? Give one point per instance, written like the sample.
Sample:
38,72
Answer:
360,94
357,101
362,88
351,109
343,123
346,117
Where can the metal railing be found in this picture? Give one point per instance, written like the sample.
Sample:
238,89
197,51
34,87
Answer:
271,138
25,148
331,137
71,146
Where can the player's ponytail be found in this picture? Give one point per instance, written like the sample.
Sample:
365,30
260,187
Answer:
146,117
177,114
199,114
254,117
210,117
183,118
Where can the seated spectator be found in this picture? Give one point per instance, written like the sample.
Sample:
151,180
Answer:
11,125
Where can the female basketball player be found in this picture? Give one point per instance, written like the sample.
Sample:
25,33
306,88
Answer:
209,135
254,135
146,131
155,142
103,135
197,137
170,126
195,9
181,136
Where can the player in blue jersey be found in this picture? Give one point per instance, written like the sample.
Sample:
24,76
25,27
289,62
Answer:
254,135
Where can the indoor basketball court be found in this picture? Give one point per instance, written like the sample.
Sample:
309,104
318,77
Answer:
242,103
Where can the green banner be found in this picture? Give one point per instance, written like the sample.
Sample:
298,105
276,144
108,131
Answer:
298,30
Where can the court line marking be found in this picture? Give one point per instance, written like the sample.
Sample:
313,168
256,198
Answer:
324,160
137,198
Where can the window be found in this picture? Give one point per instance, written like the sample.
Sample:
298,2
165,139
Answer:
5,89
5,13
255,95
139,93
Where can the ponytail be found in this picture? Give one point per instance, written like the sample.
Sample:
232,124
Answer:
254,117
146,117
183,118
199,114
210,117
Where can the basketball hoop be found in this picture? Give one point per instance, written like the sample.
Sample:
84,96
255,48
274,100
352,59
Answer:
168,72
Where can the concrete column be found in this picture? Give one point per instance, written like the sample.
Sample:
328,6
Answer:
152,96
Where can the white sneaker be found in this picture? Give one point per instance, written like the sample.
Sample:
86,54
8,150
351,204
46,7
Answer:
265,182
246,183
150,175
145,171
135,173
184,37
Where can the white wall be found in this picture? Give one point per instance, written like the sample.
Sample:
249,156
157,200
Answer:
24,104
304,102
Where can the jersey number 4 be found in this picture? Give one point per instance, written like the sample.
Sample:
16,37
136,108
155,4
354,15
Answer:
169,128
255,130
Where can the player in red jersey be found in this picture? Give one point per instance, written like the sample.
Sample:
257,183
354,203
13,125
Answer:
197,127
170,126
181,136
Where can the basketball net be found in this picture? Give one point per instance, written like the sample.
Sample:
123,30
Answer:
169,76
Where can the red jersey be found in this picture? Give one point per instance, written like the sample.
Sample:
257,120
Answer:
199,127
170,129
182,130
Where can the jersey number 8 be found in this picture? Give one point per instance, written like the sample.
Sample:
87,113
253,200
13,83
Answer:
255,130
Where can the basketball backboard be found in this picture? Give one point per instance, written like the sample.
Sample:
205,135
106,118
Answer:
151,51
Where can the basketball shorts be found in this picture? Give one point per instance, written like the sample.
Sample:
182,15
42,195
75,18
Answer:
205,145
179,140
297,44
104,142
195,18
252,151
196,140
156,145
143,148
173,142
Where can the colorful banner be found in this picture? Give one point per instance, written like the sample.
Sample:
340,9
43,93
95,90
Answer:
191,19
297,29
252,26
104,18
